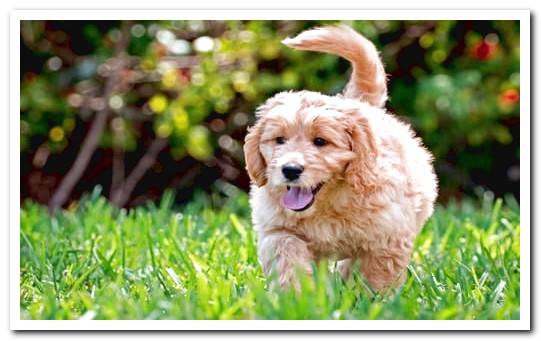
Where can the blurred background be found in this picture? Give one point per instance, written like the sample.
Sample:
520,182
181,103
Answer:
141,107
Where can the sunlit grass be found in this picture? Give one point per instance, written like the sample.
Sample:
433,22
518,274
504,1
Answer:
200,262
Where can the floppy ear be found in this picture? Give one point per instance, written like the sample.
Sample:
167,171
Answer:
360,172
255,164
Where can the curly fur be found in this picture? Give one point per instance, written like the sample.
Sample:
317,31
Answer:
379,185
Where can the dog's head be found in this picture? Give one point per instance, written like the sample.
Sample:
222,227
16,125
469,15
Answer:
303,141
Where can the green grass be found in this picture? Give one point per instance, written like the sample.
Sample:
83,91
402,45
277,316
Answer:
200,262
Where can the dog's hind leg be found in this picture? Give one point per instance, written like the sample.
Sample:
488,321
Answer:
385,269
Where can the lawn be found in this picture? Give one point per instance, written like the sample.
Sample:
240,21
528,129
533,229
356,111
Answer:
199,262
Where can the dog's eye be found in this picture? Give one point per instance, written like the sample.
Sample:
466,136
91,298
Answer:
318,141
280,140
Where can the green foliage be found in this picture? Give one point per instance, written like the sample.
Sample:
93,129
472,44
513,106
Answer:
197,83
200,262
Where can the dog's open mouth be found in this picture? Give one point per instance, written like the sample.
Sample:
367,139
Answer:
300,198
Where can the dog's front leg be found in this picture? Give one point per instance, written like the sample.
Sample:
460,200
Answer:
283,254
344,267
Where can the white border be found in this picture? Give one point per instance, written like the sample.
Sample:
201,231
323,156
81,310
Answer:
271,14
523,15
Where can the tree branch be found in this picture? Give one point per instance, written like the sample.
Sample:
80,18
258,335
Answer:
121,196
118,170
91,140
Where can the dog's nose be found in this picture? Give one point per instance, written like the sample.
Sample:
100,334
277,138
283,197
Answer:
292,171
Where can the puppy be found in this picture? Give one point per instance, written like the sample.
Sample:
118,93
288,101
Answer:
338,176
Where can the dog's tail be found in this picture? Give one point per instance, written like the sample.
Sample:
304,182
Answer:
368,81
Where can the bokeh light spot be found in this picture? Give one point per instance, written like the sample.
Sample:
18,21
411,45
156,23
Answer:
180,47
137,30
56,134
439,56
116,102
165,37
169,79
180,119
163,130
198,144
158,103
54,63
240,119
204,44
426,40
75,100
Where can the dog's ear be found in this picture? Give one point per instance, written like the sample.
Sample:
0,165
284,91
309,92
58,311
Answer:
360,172
255,163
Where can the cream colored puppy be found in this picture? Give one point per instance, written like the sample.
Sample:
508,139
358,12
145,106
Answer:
338,176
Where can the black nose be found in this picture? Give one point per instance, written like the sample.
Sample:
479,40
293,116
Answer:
292,171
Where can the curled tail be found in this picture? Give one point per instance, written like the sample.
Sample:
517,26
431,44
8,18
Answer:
368,81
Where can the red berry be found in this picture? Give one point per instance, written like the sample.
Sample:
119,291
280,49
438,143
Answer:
509,96
484,50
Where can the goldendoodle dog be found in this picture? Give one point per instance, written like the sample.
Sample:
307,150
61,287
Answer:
338,176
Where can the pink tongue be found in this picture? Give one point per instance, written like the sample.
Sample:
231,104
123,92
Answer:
297,198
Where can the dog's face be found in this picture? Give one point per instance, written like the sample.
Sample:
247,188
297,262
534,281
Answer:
305,141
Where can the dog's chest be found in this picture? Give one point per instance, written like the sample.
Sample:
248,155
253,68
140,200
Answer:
328,236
